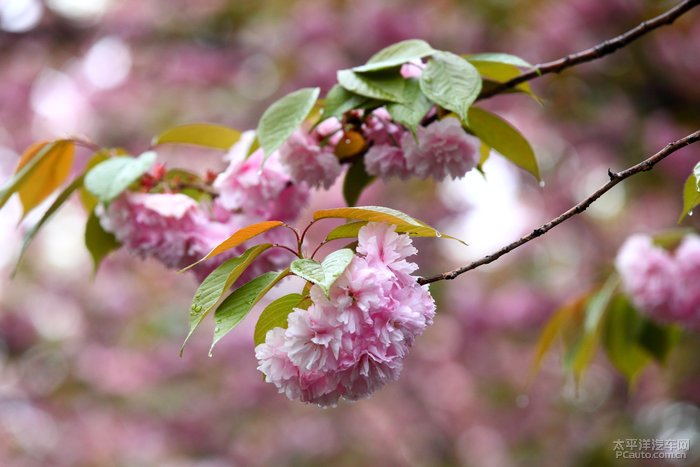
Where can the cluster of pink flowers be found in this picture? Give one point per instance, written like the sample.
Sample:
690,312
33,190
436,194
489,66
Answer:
353,341
176,230
309,156
660,283
438,150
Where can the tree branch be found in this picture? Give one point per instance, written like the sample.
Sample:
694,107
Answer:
604,48
615,178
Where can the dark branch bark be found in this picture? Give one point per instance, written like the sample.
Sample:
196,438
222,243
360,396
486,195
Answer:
615,178
604,48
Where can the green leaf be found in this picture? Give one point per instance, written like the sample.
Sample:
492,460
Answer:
339,100
88,199
504,138
208,135
397,54
110,178
502,72
385,86
451,82
496,57
347,230
275,315
237,305
323,274
55,206
356,180
238,238
555,327
215,285
283,117
658,339
414,109
98,241
691,197
621,331
580,355
380,214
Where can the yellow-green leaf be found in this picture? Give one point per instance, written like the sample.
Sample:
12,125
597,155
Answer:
275,315
504,138
238,238
200,134
691,197
379,214
98,241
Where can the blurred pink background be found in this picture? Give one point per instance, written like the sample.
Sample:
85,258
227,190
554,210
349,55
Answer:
89,367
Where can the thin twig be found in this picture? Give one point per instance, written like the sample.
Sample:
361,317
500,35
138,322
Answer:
604,48
615,178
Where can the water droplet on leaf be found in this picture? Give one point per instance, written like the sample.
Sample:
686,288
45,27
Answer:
542,184
690,213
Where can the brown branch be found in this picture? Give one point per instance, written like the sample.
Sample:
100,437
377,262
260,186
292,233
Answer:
615,178
598,51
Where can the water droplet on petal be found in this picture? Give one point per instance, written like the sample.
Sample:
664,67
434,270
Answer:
542,184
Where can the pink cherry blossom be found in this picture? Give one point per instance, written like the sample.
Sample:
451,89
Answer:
687,291
412,69
311,160
256,191
662,284
386,161
443,149
379,128
170,227
353,341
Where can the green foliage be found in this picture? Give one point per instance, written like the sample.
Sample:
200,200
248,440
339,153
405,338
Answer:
88,199
237,305
98,241
691,196
381,85
325,273
504,138
414,109
339,100
356,180
451,82
283,117
275,315
110,178
200,134
496,57
605,318
632,341
215,285
397,54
